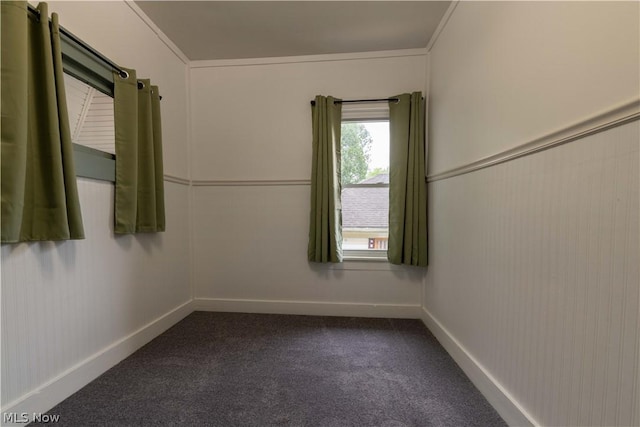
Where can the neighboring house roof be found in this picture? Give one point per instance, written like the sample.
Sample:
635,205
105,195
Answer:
365,207
382,178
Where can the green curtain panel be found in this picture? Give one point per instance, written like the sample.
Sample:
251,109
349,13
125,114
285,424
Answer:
139,202
325,224
39,192
407,182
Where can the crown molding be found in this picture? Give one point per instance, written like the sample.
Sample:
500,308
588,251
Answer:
307,58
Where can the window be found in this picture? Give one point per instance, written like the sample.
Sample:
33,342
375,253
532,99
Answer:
92,130
89,87
365,183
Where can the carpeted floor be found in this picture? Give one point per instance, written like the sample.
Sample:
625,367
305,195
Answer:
229,369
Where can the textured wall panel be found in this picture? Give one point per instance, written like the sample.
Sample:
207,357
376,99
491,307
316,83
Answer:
63,302
534,270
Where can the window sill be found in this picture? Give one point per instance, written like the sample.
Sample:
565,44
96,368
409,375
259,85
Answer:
365,259
360,264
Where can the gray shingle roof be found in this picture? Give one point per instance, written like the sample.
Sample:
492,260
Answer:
381,178
365,207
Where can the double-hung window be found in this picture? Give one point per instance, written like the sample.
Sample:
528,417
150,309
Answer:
365,181
89,88
92,129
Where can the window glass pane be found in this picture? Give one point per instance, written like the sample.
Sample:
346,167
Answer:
365,186
90,115
379,154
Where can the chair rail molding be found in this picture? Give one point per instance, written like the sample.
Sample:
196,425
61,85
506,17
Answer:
249,183
604,120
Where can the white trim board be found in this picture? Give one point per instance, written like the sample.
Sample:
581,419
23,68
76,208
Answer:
73,379
506,405
311,308
176,179
249,183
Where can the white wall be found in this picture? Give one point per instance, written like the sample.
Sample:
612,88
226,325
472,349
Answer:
252,123
71,310
533,276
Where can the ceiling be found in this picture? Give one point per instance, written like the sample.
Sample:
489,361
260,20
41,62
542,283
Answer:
258,29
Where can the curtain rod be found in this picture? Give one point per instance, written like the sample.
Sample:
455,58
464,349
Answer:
88,48
355,101
94,52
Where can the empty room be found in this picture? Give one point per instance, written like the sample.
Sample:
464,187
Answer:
320,213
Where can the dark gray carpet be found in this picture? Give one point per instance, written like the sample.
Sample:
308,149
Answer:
229,369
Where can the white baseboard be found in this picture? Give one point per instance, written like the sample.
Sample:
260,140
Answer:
506,405
312,308
73,379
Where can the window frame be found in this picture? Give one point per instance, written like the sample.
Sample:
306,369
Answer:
365,113
94,164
